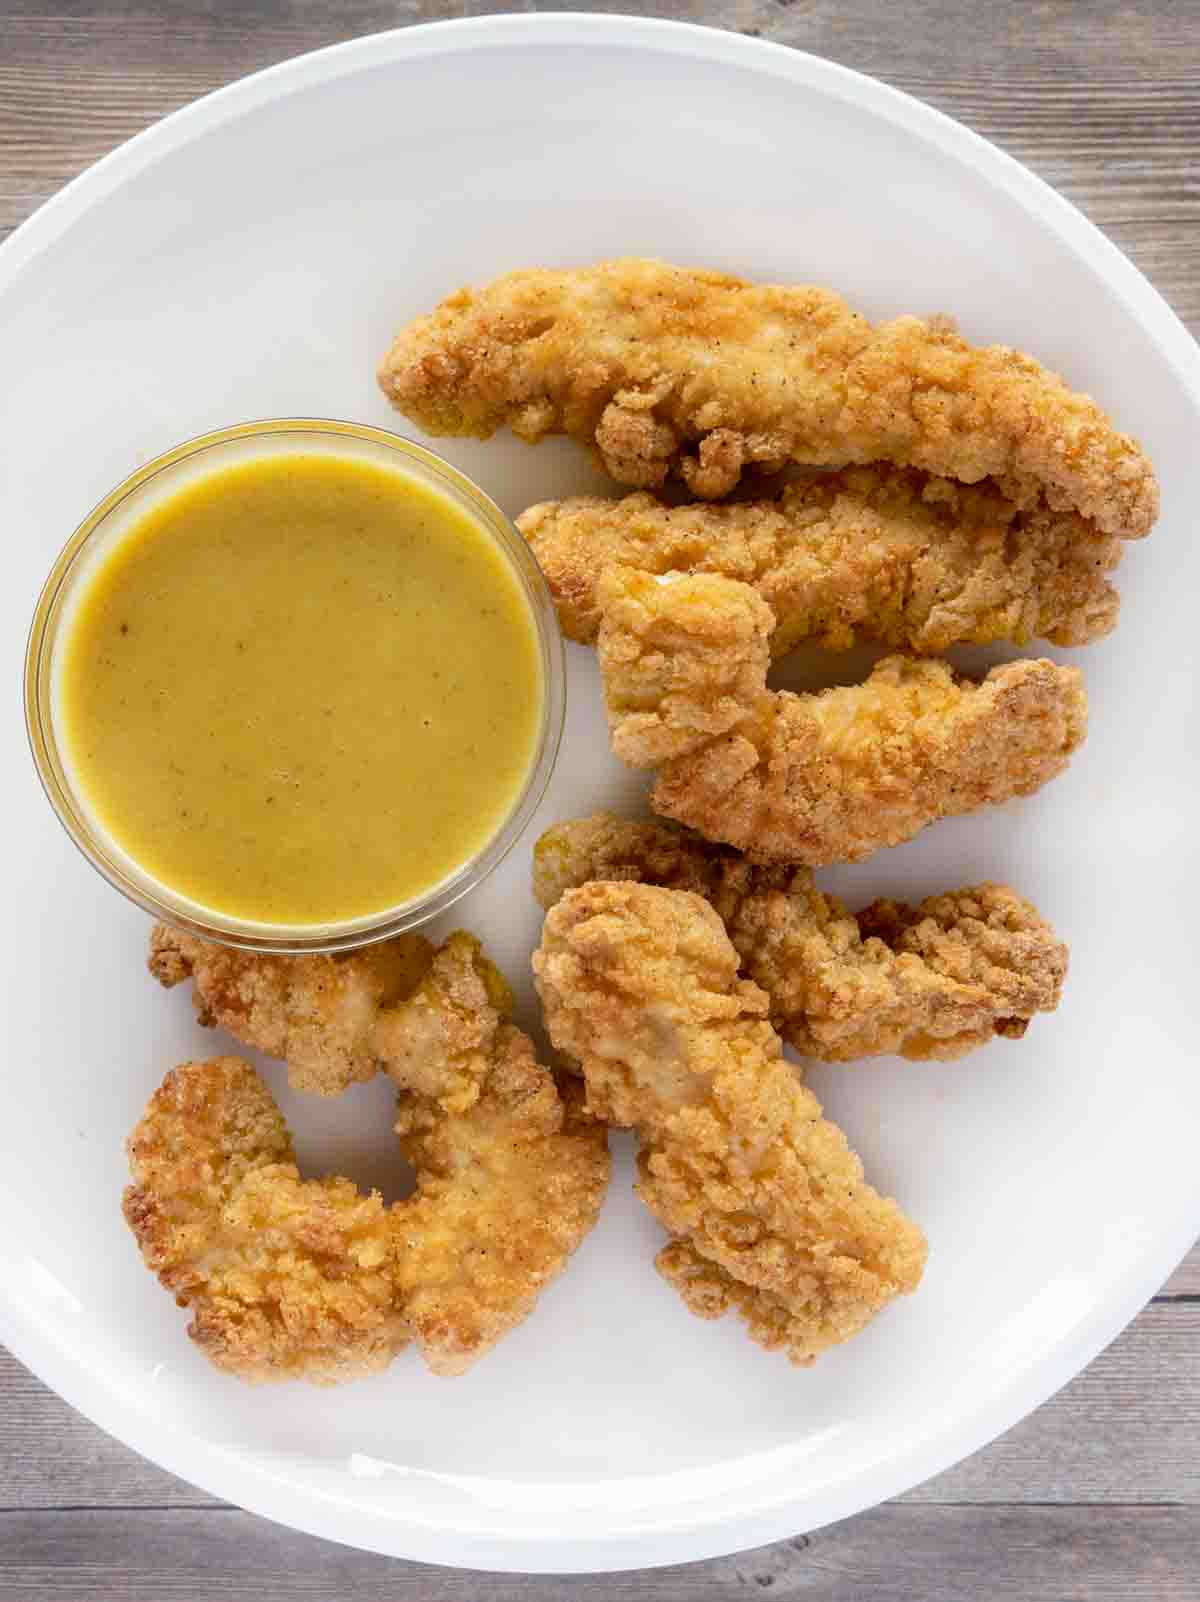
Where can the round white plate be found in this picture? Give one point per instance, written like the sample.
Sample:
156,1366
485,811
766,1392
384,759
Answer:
252,256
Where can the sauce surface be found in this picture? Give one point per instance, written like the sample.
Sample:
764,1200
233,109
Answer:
302,690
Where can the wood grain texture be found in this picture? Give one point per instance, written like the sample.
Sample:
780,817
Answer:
1185,1281
1125,1430
1097,1495
1098,96
894,1554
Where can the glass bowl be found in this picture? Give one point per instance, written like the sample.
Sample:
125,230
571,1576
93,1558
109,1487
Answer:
112,519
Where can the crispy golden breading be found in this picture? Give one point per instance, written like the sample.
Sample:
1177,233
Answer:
664,369
507,1191
287,1278
822,778
293,1278
337,1020
931,981
640,987
872,553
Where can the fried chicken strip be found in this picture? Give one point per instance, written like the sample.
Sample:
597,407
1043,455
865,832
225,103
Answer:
812,779
931,981
760,1191
308,1279
664,369
872,553
339,1020
287,1278
506,1192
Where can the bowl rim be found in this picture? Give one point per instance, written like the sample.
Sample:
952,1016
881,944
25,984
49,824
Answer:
119,867
769,1508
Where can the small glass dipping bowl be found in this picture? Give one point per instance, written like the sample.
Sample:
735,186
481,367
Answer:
116,515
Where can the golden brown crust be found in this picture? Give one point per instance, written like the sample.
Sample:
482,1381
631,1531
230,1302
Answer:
292,1278
671,370
640,987
710,1292
683,658
872,553
338,1020
287,1278
813,779
931,981
508,1189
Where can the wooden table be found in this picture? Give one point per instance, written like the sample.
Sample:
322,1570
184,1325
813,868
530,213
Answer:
1098,1494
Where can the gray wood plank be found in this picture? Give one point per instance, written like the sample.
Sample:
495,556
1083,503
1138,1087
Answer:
1099,97
1185,1281
894,1554
1124,1431
52,1457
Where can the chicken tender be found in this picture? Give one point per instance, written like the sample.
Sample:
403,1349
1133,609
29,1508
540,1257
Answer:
337,1020
872,553
309,1279
931,981
287,1278
760,1191
813,779
667,370
506,1191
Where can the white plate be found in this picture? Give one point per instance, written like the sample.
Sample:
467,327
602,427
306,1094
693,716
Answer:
251,256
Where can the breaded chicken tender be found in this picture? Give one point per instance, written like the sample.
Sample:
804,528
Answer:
812,779
287,1278
396,1006
666,370
872,553
309,1279
931,981
767,1204
506,1191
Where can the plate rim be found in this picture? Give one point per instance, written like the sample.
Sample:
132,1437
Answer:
687,1534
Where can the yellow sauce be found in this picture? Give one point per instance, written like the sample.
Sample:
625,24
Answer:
303,690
